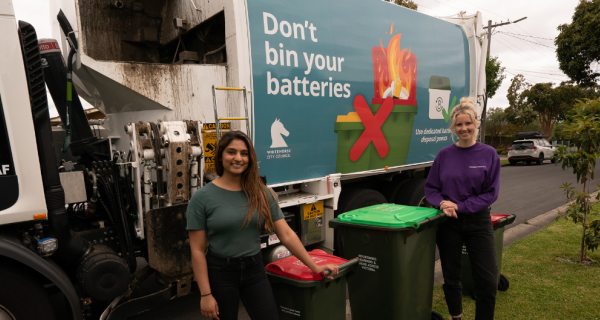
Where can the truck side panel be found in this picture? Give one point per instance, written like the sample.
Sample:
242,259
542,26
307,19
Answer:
321,71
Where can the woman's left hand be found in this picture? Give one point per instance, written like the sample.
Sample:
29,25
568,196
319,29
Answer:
334,268
446,204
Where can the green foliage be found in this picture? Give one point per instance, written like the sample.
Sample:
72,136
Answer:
583,126
500,151
578,44
494,75
405,3
549,103
520,113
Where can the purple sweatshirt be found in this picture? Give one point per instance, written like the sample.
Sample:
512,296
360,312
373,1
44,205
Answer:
469,177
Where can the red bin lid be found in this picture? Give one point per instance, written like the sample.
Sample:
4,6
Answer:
293,268
497,217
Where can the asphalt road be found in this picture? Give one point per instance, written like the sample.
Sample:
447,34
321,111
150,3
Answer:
531,190
525,190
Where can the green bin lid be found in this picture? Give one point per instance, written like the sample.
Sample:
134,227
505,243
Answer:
440,83
389,215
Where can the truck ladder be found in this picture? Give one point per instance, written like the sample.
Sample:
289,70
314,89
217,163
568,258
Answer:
218,120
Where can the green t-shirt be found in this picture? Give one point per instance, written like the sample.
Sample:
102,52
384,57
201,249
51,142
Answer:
221,213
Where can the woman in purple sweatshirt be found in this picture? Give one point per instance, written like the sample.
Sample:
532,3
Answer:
463,182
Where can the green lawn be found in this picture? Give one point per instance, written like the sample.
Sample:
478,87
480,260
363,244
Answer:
504,163
542,286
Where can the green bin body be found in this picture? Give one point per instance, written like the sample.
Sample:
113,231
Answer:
348,134
468,285
397,130
302,300
394,279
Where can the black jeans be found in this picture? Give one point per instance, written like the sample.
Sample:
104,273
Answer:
232,279
476,232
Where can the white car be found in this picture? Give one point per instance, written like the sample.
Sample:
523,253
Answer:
530,150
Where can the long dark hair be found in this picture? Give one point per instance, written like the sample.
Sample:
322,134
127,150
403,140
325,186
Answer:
252,186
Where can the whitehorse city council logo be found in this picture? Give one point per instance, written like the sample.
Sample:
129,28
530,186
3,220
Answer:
277,129
277,133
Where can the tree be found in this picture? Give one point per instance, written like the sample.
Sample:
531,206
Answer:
578,44
583,126
542,99
519,112
553,103
405,3
496,121
494,75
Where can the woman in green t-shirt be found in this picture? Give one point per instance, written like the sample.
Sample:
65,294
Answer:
232,211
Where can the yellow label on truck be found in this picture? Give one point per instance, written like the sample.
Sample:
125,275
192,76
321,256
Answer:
313,210
209,139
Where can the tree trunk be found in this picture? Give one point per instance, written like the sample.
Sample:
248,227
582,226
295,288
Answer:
585,212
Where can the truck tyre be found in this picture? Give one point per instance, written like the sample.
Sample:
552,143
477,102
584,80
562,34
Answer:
22,297
413,193
540,159
553,160
391,189
352,199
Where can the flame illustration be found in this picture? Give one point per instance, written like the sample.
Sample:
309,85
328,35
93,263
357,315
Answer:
393,64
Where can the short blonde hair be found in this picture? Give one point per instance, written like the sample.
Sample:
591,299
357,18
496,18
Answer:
466,106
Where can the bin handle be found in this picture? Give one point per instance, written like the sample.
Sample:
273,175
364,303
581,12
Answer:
414,224
342,266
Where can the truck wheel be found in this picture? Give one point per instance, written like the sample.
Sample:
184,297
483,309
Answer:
391,189
22,297
553,160
503,284
352,199
413,194
540,159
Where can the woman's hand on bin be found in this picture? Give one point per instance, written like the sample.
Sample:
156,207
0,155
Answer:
449,208
209,307
334,268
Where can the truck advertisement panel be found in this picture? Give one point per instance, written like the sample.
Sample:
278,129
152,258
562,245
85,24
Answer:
343,86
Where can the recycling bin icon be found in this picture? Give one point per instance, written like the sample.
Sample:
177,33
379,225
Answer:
439,97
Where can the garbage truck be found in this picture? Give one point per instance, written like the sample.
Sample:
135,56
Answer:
346,102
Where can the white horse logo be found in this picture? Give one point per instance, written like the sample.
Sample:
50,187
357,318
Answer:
277,129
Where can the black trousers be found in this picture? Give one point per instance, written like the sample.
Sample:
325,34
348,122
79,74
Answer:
476,232
232,279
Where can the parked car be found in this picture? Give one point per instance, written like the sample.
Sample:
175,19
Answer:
530,150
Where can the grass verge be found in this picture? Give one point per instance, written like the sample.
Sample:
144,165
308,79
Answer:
541,285
504,163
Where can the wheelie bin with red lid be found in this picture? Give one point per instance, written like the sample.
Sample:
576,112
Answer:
396,248
499,221
301,294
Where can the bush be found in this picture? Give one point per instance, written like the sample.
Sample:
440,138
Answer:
501,151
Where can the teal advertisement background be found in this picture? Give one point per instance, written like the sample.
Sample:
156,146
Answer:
346,29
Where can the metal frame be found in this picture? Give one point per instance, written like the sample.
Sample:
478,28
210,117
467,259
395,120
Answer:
218,120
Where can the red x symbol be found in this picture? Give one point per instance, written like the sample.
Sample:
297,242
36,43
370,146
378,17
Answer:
372,125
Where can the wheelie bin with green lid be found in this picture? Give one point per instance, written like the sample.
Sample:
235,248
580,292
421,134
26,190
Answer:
396,248
301,294
499,221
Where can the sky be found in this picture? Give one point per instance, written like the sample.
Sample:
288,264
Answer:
526,47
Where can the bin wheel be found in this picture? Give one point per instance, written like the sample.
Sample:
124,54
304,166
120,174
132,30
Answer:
473,295
503,284
436,316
